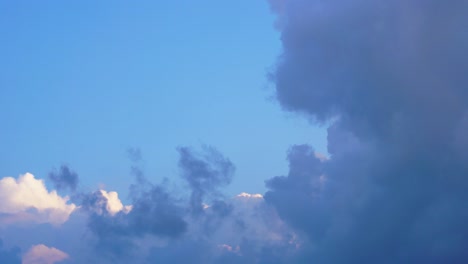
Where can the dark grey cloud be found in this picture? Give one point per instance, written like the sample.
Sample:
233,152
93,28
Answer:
64,178
391,78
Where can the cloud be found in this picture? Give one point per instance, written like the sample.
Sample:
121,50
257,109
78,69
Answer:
118,230
389,77
164,226
134,154
103,202
9,256
248,195
251,232
245,223
41,254
156,214
64,178
26,199
204,173
159,226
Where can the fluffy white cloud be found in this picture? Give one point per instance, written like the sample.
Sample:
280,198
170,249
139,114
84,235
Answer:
111,203
114,205
26,199
41,254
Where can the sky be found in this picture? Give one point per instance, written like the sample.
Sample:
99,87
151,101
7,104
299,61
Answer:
262,132
84,82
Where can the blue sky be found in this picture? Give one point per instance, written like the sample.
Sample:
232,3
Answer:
82,82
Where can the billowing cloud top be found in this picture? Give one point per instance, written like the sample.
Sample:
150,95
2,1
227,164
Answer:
26,199
104,202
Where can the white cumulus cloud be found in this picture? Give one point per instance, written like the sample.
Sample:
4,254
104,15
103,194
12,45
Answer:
26,199
114,205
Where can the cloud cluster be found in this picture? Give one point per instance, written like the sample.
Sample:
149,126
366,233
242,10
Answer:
202,228
158,226
104,202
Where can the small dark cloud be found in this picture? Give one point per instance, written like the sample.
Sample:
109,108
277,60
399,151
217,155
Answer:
64,178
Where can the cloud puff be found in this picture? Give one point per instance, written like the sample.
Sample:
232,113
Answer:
26,199
64,178
41,254
114,205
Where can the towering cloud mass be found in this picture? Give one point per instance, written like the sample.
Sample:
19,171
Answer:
391,78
